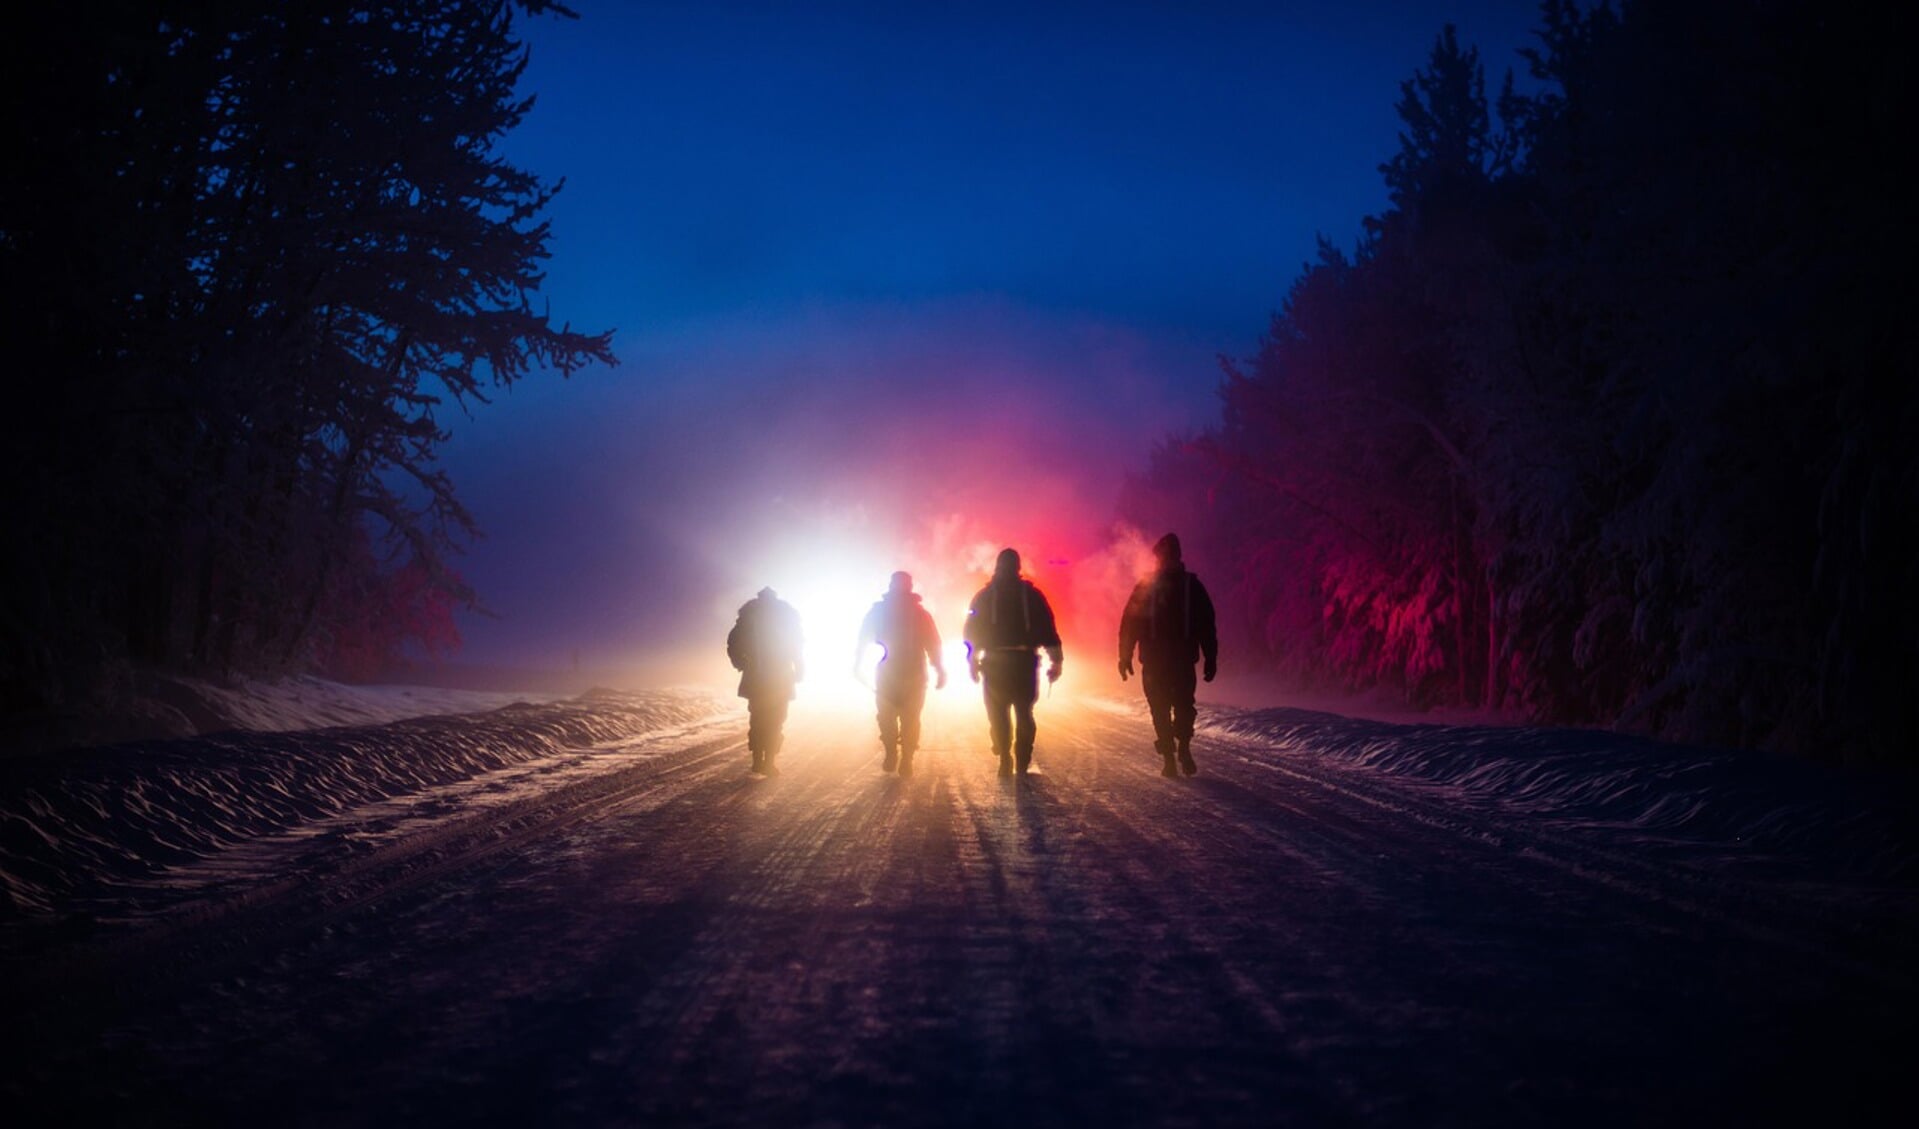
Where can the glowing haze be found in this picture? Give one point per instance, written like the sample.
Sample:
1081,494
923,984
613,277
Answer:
896,287
816,456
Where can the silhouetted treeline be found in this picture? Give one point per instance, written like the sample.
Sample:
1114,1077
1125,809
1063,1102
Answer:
251,254
1612,417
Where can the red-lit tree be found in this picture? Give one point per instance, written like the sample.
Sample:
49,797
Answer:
1623,393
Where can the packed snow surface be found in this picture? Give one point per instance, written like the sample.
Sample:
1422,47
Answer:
587,912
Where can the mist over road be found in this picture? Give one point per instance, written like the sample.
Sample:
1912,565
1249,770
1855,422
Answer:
649,936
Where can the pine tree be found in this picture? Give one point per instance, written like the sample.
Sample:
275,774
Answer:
270,246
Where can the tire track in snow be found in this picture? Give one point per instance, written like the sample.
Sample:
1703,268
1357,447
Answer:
1184,876
1433,876
1275,942
1792,918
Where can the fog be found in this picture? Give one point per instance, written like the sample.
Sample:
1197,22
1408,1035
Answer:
628,514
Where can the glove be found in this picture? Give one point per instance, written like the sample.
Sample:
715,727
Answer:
972,668
939,679
1212,668
1125,668
1052,673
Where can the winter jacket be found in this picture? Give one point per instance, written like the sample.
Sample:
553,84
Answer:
901,625
1010,615
1170,618
764,646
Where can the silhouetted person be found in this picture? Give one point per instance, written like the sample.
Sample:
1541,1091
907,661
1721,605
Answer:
1007,625
900,625
1170,618
764,647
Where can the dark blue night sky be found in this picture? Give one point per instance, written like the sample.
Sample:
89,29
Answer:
877,270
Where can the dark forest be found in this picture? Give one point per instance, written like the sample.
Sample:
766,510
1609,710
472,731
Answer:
256,253
1608,419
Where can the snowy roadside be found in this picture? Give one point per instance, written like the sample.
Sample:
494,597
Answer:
146,705
1748,805
316,703
82,819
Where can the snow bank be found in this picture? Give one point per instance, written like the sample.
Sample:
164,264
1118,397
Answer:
148,705
315,703
74,819
1750,802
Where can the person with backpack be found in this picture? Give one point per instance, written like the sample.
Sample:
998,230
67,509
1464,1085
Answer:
1008,623
764,646
1170,619
909,641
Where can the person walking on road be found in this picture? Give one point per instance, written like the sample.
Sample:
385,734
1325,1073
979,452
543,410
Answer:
764,647
1170,619
1007,624
906,633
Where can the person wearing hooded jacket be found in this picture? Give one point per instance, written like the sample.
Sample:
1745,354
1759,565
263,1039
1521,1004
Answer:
909,641
764,646
1170,619
1007,624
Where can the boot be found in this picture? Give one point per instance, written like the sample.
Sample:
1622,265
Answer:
906,762
1165,749
1186,764
759,761
892,760
1006,764
767,766
1025,761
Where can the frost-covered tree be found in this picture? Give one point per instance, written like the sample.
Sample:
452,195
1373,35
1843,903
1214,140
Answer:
1343,430
1446,139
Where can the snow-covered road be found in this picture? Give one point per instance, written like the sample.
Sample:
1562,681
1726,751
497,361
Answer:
643,934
